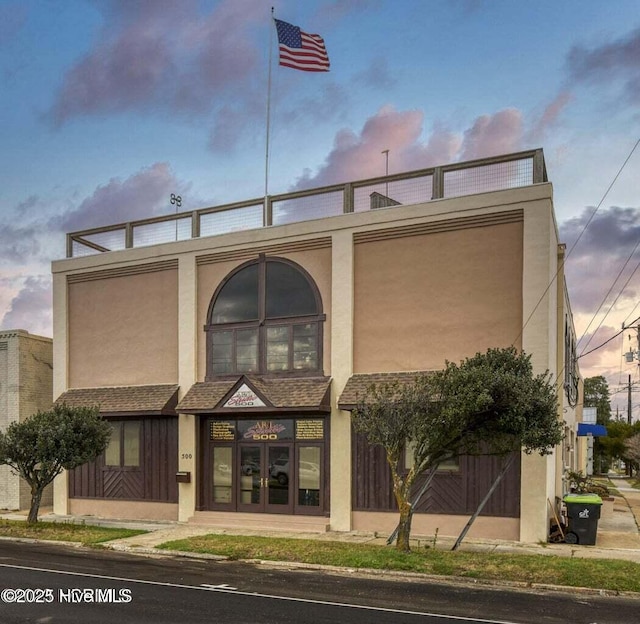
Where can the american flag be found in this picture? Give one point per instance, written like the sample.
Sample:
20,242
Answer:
300,50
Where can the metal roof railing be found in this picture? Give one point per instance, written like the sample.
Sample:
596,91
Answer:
453,180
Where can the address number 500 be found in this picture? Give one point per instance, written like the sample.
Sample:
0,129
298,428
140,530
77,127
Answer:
186,456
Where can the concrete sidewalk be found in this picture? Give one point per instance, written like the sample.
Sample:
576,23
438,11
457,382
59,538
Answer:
618,536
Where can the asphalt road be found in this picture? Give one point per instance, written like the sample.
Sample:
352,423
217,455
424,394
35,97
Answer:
47,584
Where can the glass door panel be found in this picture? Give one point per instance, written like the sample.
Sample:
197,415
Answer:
309,472
250,476
222,470
279,478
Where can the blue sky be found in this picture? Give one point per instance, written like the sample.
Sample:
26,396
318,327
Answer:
109,106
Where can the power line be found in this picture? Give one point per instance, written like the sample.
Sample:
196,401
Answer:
607,295
593,214
609,340
583,354
631,313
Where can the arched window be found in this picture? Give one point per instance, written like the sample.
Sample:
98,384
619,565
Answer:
265,317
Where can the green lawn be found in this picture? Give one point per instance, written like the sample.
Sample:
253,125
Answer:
64,531
595,573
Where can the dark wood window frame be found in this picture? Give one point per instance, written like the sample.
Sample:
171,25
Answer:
263,323
119,425
454,468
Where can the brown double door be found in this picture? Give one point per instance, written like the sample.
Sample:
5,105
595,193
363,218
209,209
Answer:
265,477
265,466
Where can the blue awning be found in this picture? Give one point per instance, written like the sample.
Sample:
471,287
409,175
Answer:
589,429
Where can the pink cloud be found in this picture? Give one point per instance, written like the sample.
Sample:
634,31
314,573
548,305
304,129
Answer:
604,350
358,155
603,250
164,54
18,243
141,195
615,60
377,75
500,133
550,116
30,309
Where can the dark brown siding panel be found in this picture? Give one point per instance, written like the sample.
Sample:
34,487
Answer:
162,462
457,492
156,479
85,479
445,495
373,489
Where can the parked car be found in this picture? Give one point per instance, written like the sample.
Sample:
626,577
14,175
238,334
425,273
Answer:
250,467
308,473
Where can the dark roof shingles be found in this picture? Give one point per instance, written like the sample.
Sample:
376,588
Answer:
358,385
123,399
281,393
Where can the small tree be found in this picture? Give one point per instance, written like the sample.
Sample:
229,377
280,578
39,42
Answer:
596,394
393,415
614,443
40,447
632,451
489,404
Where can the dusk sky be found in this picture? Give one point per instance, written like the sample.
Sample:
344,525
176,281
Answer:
109,106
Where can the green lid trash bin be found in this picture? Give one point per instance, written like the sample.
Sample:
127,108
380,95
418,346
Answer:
583,513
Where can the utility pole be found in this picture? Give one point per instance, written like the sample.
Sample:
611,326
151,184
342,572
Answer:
630,356
629,401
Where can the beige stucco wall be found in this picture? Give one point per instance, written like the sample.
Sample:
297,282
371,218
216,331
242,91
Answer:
188,332
122,509
123,330
540,339
424,526
341,369
424,299
509,266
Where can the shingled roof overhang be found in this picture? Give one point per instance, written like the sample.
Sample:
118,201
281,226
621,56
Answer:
358,385
153,400
300,394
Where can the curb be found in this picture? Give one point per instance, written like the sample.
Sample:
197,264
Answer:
372,572
364,572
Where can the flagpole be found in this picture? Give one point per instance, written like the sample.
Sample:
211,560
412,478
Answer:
265,217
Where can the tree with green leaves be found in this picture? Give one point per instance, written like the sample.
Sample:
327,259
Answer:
40,447
596,394
490,403
614,444
632,451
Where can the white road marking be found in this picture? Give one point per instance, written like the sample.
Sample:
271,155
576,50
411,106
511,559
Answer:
258,595
221,586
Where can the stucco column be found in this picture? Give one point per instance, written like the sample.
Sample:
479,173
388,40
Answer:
60,376
539,338
342,281
187,376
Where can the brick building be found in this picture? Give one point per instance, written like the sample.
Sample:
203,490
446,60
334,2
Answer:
26,386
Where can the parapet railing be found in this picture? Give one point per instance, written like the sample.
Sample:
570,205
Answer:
453,180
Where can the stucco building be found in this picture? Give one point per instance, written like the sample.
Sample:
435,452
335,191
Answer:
228,344
26,387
